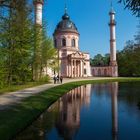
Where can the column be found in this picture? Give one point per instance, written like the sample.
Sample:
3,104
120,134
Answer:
67,68
81,65
71,68
83,68
74,68
79,68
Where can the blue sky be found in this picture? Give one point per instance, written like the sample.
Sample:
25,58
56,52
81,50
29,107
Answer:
91,18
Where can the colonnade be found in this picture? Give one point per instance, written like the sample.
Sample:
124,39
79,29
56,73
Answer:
75,68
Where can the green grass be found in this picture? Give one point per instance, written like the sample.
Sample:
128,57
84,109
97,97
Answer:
18,117
12,88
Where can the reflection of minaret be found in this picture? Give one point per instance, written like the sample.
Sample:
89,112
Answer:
113,61
114,102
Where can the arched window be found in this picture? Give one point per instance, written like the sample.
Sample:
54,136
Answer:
63,42
73,42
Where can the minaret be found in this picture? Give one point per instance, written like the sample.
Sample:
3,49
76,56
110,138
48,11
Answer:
37,48
38,11
113,61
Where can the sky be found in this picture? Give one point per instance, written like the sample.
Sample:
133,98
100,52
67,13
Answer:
91,18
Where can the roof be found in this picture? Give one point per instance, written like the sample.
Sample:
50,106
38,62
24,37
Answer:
66,25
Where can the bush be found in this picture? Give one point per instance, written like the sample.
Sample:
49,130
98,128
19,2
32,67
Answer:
45,79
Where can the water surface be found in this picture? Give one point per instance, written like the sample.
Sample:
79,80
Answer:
93,112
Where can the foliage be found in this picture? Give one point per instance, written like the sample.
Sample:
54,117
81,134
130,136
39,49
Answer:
129,57
44,53
133,5
45,79
100,60
6,88
129,60
15,43
49,54
25,48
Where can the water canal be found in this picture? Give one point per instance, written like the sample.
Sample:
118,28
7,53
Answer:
108,111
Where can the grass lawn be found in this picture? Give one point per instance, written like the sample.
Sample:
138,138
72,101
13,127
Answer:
18,117
12,88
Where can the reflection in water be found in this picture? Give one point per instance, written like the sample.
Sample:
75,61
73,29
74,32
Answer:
68,121
87,112
112,88
114,105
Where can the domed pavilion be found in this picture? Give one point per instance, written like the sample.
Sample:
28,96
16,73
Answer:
72,62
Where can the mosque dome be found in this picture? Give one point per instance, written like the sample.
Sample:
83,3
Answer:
66,25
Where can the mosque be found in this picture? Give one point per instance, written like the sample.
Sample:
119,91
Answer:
72,62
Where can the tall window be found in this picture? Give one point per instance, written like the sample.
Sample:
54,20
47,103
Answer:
63,42
73,42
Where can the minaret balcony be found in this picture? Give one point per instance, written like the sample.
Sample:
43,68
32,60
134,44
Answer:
38,1
112,40
112,23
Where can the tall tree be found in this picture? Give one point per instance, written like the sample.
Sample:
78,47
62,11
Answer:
129,60
49,55
15,40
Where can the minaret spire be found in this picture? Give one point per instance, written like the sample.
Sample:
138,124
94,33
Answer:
65,16
65,7
111,4
112,25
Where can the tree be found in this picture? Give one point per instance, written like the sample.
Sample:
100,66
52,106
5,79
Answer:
100,60
137,36
133,5
44,53
129,60
49,57
16,35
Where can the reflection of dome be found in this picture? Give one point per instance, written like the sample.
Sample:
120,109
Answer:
66,25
